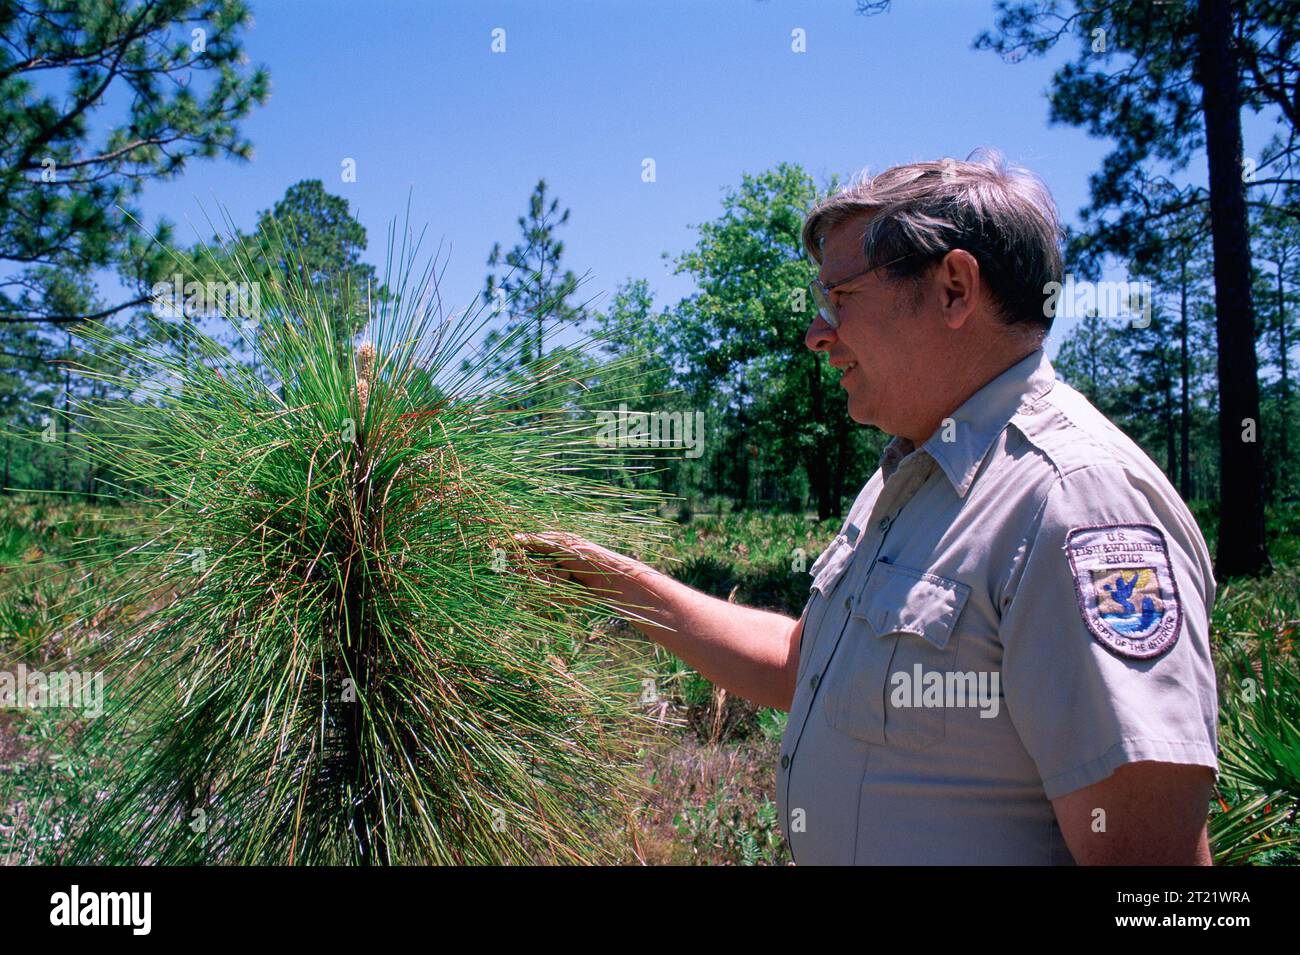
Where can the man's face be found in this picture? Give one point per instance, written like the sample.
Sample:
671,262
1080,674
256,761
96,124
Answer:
880,340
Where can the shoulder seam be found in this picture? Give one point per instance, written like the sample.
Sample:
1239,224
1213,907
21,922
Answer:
1063,471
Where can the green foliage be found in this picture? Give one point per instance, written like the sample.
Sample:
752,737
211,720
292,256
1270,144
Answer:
1277,295
309,237
1164,86
775,410
313,234
632,330
756,560
1255,625
1133,80
1258,798
739,831
1134,376
97,98
41,537
710,798
347,658
762,559
534,287
69,170
308,230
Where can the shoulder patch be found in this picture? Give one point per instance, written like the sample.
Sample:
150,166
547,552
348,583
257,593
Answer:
1125,585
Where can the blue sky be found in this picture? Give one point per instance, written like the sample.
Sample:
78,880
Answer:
585,91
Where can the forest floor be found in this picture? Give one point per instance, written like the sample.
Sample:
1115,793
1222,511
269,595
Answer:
709,770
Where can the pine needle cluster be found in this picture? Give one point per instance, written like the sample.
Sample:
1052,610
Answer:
344,655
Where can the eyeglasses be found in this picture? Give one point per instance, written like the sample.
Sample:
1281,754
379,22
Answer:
822,293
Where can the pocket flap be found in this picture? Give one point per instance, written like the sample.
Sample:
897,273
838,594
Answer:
900,600
826,570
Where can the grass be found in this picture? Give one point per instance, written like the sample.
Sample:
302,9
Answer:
707,769
1255,623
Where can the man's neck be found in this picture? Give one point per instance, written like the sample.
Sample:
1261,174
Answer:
969,378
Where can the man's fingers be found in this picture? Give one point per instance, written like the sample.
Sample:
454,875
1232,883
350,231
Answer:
550,542
544,566
573,557
545,559
548,569
534,543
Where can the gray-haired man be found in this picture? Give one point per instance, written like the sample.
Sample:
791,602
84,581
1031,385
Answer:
1005,658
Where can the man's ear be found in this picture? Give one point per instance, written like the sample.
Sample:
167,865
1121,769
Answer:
960,281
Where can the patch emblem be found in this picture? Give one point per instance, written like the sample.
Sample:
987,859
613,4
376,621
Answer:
1126,588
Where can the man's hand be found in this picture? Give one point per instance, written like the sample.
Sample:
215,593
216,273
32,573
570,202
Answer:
752,653
576,558
1151,814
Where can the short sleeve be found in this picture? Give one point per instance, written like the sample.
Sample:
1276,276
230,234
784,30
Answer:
1105,637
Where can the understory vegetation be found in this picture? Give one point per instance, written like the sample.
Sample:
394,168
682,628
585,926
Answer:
707,763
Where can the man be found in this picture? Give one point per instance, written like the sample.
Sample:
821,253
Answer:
1005,658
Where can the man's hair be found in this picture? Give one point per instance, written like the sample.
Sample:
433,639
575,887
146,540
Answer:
1002,215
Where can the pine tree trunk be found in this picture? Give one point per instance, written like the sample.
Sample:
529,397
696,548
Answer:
1284,432
1185,399
842,435
1167,415
1242,548
817,461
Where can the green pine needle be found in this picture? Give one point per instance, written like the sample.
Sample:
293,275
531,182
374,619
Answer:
343,655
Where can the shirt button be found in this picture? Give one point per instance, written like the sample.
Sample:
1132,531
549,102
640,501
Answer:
884,524
813,682
785,762
848,603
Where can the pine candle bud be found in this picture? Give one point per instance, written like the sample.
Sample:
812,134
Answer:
365,367
365,361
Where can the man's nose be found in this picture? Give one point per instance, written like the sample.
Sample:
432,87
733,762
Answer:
820,335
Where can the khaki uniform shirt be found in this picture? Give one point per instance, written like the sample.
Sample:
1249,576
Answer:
1012,611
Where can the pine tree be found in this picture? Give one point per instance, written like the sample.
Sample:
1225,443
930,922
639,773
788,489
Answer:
349,659
1278,244
1160,82
533,295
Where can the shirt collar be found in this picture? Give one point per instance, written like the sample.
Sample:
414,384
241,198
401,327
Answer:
978,422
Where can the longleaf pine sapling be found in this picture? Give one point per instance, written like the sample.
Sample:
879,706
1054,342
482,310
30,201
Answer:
342,655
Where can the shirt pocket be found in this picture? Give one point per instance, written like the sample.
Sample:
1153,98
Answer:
902,628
